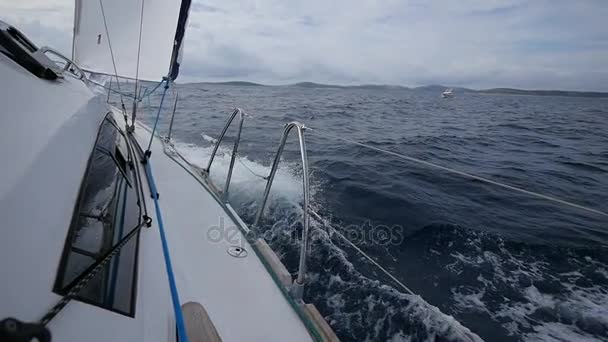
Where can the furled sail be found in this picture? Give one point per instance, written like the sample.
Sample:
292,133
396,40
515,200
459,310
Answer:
107,37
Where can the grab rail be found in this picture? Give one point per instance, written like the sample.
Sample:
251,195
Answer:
69,64
297,288
206,170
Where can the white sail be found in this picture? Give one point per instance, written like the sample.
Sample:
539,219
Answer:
160,45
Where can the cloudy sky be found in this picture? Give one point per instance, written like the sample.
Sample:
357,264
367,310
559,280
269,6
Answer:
550,44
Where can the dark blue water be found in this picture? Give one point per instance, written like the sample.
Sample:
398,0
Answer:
507,266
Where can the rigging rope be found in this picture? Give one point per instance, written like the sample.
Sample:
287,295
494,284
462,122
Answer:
160,106
179,318
147,92
239,158
81,281
453,171
335,231
105,24
360,251
109,89
141,22
460,173
150,92
78,283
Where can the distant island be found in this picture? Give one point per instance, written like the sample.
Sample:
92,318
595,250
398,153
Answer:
361,86
512,91
430,88
234,83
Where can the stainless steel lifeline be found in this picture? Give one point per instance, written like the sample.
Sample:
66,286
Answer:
297,288
206,170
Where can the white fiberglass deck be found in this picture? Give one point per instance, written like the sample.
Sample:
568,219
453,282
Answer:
239,294
50,129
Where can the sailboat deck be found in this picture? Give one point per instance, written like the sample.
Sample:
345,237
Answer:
46,144
238,293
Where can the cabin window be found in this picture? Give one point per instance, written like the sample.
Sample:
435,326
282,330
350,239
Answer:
106,211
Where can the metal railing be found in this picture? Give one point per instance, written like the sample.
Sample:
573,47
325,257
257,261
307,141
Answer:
172,117
69,66
297,288
206,170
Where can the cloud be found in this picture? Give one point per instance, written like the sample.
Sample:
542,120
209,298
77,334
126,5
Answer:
477,43
45,22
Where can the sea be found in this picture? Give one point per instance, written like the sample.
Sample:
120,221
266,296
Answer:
483,262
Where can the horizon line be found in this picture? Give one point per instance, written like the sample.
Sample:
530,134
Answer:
311,83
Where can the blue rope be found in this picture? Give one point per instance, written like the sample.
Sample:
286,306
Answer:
179,318
151,91
160,106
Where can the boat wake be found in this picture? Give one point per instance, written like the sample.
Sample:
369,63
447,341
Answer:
501,289
535,292
357,307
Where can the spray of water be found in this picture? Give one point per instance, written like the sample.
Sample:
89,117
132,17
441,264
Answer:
358,308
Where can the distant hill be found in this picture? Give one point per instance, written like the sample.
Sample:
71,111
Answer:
234,83
511,91
436,88
315,85
380,86
362,86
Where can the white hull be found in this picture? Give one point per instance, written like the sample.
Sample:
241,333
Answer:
50,130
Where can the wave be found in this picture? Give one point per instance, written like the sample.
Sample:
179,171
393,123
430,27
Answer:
357,307
503,290
583,166
530,292
514,126
535,292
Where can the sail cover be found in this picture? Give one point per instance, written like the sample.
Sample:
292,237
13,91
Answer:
162,31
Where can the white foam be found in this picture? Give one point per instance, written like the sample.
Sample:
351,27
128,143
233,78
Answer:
400,337
471,301
539,299
246,190
573,307
580,304
208,138
558,332
385,299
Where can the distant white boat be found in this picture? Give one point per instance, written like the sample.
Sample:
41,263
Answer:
448,93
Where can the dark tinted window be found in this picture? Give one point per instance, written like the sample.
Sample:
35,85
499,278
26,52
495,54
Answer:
106,211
